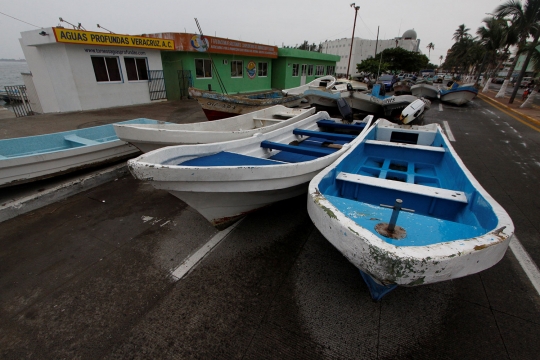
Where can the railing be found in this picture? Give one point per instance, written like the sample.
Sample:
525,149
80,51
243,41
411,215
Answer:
16,95
156,85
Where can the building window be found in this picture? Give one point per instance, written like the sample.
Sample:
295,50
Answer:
106,68
330,70
319,70
237,68
136,69
295,68
203,68
310,70
263,69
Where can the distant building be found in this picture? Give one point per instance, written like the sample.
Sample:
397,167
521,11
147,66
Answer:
364,49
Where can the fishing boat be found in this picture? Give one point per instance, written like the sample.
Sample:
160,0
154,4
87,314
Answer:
403,87
425,88
219,106
148,137
403,208
458,94
38,157
322,92
377,102
225,181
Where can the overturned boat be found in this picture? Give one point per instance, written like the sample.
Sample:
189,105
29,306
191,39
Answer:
425,88
401,206
458,94
225,181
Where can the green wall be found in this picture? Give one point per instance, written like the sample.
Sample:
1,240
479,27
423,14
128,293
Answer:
176,60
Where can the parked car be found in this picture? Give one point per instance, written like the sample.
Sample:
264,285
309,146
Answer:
525,82
387,81
448,77
498,80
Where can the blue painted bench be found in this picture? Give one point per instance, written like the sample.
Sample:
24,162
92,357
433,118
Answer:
303,150
324,135
340,126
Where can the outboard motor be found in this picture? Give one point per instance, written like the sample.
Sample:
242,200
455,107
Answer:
345,110
414,111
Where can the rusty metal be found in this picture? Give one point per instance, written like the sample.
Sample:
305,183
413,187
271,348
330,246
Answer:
397,233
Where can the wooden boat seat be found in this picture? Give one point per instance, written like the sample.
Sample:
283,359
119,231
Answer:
79,140
403,145
303,150
418,189
340,126
324,135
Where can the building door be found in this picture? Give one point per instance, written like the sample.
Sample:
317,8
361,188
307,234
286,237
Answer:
303,74
156,85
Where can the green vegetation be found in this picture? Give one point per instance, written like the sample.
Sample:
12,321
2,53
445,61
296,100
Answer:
395,60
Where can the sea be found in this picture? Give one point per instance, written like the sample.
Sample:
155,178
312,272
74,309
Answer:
10,73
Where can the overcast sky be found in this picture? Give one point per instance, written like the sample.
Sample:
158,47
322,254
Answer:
275,22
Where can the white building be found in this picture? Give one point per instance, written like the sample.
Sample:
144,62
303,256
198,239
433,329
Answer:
363,49
74,70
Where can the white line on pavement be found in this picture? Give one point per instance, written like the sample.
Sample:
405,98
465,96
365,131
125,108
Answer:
448,131
528,265
440,107
190,262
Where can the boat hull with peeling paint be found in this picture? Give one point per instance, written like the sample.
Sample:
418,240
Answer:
148,137
225,181
456,229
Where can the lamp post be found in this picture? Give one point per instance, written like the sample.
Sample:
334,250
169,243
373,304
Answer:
356,8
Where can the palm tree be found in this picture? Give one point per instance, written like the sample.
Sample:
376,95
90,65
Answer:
430,46
494,37
525,21
461,33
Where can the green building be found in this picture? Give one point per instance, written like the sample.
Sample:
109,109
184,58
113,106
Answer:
295,67
232,66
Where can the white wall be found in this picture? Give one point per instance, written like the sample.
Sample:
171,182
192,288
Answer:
64,76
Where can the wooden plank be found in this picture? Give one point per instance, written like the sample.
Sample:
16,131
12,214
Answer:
304,150
324,135
403,145
431,191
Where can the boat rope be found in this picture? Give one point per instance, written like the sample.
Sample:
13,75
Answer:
220,82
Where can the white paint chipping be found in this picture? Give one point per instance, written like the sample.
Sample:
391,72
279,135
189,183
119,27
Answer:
528,265
448,131
191,261
440,107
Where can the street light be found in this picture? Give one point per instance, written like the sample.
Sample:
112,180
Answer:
356,8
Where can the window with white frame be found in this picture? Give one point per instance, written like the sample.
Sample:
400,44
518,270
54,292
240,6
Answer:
319,70
203,68
106,68
136,68
310,70
295,68
237,68
262,69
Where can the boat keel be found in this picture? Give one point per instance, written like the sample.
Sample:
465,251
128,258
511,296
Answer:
376,290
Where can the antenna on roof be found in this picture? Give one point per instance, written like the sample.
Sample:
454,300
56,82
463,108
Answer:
79,27
101,27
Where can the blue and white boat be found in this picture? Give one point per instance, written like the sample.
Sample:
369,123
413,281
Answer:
402,207
38,157
225,181
458,94
377,102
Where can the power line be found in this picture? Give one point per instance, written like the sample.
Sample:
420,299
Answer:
39,27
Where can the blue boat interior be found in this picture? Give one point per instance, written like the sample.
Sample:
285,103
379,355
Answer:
376,92
41,144
313,145
428,180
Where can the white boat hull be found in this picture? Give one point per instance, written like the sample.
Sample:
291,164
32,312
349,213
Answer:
458,97
224,193
148,137
425,90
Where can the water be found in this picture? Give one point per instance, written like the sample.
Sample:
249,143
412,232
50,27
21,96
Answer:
10,73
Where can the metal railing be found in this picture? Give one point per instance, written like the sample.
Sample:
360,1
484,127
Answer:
16,95
156,85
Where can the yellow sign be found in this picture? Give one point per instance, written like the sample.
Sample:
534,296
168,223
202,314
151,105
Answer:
104,39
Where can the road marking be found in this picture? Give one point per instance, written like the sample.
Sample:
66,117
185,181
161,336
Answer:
440,107
190,262
512,115
448,131
528,265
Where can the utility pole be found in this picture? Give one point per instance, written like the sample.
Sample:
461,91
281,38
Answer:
356,8
376,42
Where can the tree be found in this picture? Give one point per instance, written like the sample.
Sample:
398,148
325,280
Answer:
371,66
493,37
524,19
461,33
395,59
430,46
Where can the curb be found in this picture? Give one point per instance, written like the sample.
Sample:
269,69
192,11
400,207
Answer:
32,202
495,102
